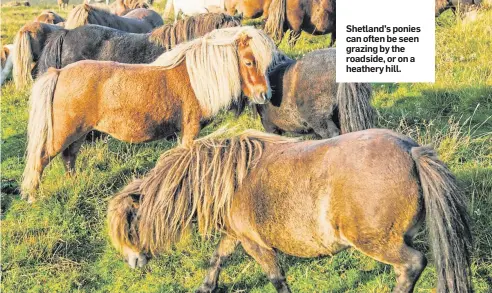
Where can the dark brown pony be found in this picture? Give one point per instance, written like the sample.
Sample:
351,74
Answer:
316,17
28,45
50,17
137,103
248,8
370,190
136,21
306,98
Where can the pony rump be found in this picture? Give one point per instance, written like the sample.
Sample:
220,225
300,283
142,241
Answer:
354,106
213,59
122,217
276,20
23,60
200,182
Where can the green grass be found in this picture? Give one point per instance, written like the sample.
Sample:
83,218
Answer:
59,243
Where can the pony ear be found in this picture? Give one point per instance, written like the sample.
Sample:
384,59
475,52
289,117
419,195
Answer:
243,40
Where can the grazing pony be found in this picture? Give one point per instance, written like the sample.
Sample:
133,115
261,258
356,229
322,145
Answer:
101,43
139,103
28,45
316,17
248,8
462,5
6,63
50,17
136,21
306,98
369,190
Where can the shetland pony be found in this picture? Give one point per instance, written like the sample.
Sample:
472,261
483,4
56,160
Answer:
462,5
50,17
306,99
316,17
95,42
136,21
6,63
369,190
62,4
248,8
28,44
139,103
189,7
120,7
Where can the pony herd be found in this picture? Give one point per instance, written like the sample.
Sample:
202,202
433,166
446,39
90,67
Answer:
369,189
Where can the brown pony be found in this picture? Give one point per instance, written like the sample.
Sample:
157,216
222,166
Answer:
136,21
183,87
121,7
28,45
369,190
50,17
62,4
248,8
316,17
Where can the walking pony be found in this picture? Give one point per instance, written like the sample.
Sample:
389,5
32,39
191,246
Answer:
136,21
50,17
306,98
316,17
95,42
370,190
28,44
139,103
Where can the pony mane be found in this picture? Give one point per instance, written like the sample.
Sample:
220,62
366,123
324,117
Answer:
169,35
197,182
82,13
212,64
274,25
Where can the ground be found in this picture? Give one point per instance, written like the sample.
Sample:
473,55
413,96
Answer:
60,243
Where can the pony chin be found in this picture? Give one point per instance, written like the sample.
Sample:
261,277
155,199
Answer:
135,258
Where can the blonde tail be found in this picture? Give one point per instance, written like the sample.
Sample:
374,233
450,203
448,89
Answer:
23,59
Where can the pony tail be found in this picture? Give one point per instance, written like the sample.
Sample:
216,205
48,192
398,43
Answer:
52,52
276,20
78,16
122,217
39,130
447,220
23,60
354,106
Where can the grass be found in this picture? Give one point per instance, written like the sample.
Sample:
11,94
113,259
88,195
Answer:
59,243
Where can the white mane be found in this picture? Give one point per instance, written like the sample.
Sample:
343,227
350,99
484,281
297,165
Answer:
212,64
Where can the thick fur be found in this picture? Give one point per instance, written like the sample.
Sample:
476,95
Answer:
136,21
39,129
448,222
101,43
306,98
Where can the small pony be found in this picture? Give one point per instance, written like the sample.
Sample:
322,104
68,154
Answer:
191,7
370,190
306,98
28,45
62,4
50,17
183,88
316,17
6,63
136,21
96,42
247,8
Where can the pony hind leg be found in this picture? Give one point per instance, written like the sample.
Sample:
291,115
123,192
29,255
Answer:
224,250
69,155
267,259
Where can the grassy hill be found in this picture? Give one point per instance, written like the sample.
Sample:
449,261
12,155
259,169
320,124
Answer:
59,243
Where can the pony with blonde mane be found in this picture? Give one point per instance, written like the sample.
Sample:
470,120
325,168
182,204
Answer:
369,190
28,45
101,43
136,21
181,89
48,16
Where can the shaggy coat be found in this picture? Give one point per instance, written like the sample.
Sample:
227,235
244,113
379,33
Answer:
306,99
101,43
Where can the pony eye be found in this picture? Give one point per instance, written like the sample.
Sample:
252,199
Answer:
248,63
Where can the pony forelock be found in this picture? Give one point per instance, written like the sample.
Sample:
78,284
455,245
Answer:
212,64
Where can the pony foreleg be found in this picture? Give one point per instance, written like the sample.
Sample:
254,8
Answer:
225,249
267,259
190,126
69,155
293,37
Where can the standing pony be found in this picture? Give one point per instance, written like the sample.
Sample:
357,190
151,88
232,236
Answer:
370,190
6,63
462,5
95,42
136,21
50,17
316,17
140,103
307,99
28,44
248,8
62,4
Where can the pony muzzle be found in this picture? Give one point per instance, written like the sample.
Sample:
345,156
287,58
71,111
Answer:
135,259
262,97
